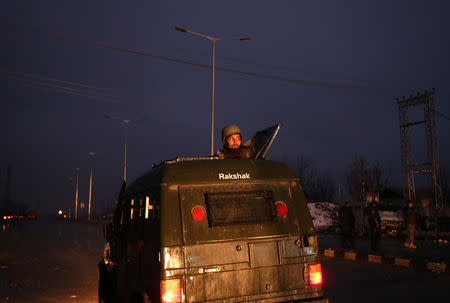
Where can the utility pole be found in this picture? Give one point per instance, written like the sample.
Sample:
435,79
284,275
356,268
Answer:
126,122
8,197
76,194
91,154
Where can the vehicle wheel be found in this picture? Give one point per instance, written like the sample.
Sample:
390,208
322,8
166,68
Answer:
140,297
106,285
101,282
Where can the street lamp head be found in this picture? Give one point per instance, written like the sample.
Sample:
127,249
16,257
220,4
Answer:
180,29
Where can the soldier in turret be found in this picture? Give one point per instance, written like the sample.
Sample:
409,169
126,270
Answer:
232,144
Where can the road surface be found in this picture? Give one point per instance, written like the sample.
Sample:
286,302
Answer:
52,262
56,261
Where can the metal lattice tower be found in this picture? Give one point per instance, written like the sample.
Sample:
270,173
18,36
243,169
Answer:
431,165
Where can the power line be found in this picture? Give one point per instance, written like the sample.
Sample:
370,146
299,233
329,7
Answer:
128,37
171,59
441,114
45,78
59,86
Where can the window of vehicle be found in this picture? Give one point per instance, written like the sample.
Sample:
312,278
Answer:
240,208
148,208
132,209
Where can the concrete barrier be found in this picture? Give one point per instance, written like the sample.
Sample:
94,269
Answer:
436,267
374,259
328,253
350,255
402,262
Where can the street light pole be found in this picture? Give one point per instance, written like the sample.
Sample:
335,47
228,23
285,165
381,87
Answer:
90,184
125,153
126,122
76,194
213,95
213,39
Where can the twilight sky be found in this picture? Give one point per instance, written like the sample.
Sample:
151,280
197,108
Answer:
329,70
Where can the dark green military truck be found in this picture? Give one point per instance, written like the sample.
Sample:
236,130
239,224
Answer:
209,230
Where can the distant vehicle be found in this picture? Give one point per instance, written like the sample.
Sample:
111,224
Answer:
62,215
392,222
204,230
10,215
391,217
31,214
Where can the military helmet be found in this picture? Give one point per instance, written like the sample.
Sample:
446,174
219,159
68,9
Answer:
230,130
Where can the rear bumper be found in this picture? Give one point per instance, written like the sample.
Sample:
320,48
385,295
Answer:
320,300
281,297
316,300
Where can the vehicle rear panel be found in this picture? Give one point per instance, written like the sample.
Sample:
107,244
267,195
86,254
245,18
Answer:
232,260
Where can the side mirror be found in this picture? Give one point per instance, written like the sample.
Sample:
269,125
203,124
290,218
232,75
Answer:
107,231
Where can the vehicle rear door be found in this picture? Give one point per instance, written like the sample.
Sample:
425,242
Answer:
241,247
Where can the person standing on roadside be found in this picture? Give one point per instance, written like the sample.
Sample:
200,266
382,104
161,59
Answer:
373,219
347,225
410,222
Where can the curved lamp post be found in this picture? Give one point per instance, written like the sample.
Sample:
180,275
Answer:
213,39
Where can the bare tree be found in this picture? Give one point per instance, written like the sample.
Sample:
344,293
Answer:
362,177
304,167
357,178
323,188
317,186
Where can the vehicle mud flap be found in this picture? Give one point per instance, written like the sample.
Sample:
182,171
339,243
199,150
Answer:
106,284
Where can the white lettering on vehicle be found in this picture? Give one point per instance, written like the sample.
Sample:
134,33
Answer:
236,176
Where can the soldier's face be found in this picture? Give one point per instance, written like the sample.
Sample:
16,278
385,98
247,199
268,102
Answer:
234,141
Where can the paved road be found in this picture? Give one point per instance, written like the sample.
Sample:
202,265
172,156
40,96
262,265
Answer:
50,262
426,248
56,262
348,281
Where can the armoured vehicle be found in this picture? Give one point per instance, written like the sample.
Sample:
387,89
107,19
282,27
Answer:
212,230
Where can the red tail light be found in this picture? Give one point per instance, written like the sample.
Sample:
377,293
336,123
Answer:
198,213
281,207
171,291
315,274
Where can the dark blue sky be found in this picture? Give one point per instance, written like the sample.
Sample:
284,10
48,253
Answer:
329,70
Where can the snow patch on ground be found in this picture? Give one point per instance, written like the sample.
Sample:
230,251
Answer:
325,215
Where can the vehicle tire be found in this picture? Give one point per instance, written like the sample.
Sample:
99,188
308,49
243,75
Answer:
101,282
139,297
106,284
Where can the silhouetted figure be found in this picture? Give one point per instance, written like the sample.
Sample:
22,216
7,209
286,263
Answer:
347,221
410,222
373,219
